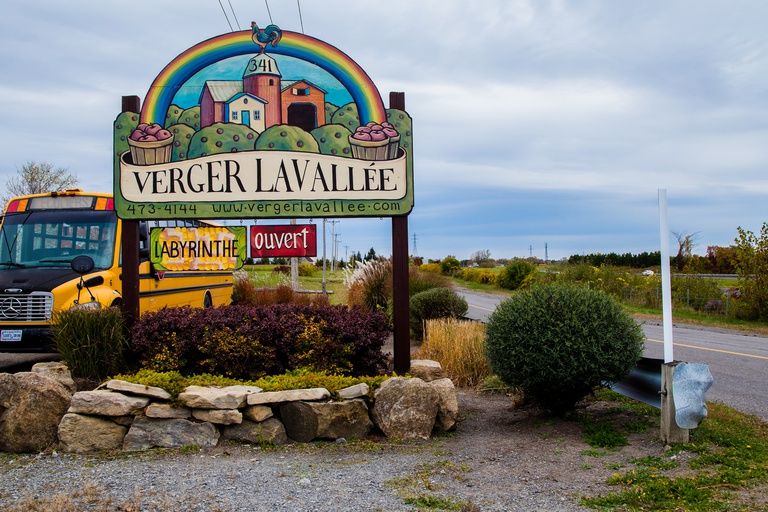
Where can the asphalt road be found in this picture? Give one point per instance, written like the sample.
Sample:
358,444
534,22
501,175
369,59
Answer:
738,362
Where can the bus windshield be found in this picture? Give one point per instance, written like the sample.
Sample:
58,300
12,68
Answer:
52,238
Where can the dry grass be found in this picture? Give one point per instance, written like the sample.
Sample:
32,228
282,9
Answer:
459,346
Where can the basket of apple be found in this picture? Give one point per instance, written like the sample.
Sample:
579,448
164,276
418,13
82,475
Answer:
375,141
150,144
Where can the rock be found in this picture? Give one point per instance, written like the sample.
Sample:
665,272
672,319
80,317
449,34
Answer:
106,403
405,408
138,389
426,370
447,405
122,420
268,431
172,433
292,395
356,391
300,421
305,421
219,416
230,397
348,419
257,413
82,434
167,411
31,408
58,371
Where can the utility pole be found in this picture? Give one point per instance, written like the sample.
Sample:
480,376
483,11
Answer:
530,251
336,244
546,253
415,250
294,267
324,260
333,242
346,253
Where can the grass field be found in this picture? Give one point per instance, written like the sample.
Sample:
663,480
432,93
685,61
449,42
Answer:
264,276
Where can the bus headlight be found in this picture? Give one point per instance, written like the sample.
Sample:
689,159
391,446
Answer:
86,306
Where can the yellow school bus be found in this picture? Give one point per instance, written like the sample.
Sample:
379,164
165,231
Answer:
42,234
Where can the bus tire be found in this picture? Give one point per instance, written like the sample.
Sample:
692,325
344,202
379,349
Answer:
117,304
207,300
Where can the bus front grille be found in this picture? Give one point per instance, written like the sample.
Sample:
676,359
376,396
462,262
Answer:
34,307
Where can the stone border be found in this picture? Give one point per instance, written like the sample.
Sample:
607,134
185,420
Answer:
127,416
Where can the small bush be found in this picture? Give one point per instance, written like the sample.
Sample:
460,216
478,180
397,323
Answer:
92,343
695,292
419,281
370,285
430,267
434,303
232,354
459,346
478,275
450,265
282,269
307,270
244,341
558,342
515,274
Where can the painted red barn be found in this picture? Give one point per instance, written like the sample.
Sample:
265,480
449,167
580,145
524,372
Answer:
262,99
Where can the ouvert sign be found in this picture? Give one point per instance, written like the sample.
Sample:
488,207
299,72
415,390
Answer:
288,126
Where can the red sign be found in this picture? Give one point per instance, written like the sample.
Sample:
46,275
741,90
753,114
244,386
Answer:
284,240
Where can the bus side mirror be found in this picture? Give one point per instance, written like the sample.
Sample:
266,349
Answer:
82,264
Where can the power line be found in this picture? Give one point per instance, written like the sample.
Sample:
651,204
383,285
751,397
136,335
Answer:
301,20
268,11
234,15
226,17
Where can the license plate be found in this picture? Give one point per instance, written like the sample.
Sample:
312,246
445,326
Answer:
10,335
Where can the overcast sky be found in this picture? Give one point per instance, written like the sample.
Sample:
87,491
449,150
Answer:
535,122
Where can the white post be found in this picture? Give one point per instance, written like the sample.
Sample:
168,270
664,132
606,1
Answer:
666,287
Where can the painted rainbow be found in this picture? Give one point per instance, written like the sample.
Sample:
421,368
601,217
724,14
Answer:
162,91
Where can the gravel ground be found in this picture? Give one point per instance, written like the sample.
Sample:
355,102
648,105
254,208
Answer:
498,459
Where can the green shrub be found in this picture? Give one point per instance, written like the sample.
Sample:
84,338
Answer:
92,343
450,265
174,382
430,267
695,292
515,274
232,354
434,303
558,342
307,270
477,275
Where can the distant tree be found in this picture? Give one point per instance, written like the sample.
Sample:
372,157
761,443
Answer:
417,261
721,260
371,254
449,265
685,245
482,258
37,178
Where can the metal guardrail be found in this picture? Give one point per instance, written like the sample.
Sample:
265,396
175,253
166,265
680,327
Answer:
643,383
